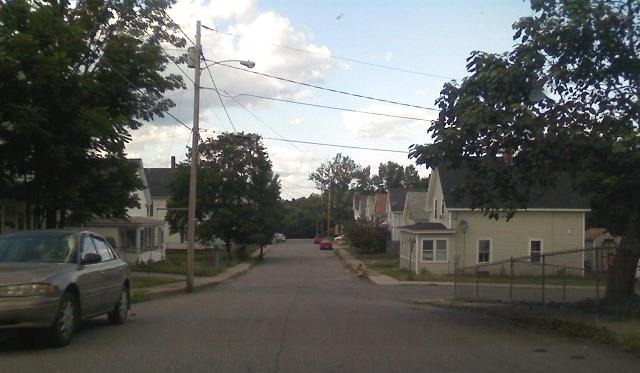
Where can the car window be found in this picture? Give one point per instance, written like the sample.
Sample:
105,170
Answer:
88,246
103,249
38,248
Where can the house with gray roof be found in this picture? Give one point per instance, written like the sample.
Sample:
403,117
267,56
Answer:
450,233
159,181
395,210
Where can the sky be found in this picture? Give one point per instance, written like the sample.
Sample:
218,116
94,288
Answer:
422,45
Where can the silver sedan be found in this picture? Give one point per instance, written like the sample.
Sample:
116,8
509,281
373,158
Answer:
52,280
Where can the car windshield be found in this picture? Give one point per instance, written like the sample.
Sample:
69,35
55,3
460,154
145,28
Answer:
38,248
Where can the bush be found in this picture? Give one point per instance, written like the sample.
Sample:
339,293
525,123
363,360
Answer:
367,239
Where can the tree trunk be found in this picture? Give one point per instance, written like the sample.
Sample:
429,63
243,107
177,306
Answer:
227,245
51,219
621,275
62,221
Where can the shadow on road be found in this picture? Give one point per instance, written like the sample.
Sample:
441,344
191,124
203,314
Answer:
12,341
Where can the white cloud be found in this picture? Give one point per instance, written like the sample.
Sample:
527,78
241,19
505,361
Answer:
421,93
294,168
380,127
296,121
388,56
258,33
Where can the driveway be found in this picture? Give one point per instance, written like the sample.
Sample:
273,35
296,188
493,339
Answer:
301,311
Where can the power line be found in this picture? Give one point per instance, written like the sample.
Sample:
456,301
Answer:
324,106
218,92
170,58
338,146
265,124
326,89
344,58
178,26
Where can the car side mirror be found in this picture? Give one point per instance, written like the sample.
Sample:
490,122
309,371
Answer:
91,258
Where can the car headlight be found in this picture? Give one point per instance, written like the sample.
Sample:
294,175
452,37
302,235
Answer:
26,290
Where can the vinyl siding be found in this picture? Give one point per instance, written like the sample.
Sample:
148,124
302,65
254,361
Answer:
558,231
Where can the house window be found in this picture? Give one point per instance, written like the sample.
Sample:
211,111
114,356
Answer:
442,206
484,251
434,250
535,250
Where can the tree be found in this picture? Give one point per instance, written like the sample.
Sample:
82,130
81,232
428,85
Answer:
301,216
336,176
238,195
393,175
563,101
75,79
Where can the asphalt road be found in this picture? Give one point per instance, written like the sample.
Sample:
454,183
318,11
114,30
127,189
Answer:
301,311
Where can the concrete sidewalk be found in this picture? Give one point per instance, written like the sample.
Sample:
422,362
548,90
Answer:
199,283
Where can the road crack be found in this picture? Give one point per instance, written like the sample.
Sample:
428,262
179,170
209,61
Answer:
286,321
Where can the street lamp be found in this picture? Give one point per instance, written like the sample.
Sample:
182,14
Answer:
194,55
246,63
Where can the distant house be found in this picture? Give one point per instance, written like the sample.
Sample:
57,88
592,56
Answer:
601,239
395,210
160,180
448,233
141,231
380,215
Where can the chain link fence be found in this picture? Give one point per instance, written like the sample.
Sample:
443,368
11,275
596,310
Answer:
560,277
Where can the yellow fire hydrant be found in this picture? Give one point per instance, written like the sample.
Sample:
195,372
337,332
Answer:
360,270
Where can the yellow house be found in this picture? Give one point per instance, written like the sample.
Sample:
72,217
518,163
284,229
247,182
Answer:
452,235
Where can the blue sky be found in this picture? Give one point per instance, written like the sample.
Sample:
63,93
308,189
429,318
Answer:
431,37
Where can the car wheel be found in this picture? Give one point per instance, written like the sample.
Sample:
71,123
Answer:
119,313
66,322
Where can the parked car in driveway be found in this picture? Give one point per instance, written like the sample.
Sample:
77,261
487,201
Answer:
279,237
52,280
326,245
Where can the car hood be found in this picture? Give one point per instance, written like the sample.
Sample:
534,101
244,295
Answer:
24,273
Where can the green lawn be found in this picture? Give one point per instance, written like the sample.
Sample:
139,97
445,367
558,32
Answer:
390,267
139,285
176,263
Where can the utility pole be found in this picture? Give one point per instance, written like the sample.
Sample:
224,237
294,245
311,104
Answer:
329,212
193,177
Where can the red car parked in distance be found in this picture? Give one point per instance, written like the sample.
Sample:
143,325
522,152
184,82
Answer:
326,245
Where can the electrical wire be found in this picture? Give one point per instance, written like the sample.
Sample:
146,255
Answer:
265,124
324,88
320,106
342,58
337,145
219,96
170,58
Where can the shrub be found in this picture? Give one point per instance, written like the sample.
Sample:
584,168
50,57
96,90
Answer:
367,239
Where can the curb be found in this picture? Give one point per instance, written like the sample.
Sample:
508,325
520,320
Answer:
351,263
222,277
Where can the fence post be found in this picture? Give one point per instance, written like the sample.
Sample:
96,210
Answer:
511,279
455,279
564,285
543,282
477,286
598,265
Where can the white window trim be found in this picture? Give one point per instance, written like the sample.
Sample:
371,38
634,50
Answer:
434,250
478,249
541,248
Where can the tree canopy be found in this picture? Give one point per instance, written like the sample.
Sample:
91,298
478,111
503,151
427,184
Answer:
75,79
238,195
563,101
